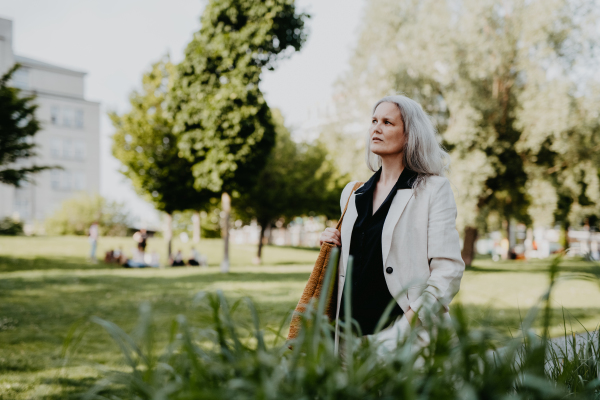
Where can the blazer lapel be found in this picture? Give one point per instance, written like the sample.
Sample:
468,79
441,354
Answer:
346,230
396,208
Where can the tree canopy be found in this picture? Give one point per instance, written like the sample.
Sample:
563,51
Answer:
224,124
18,126
145,144
298,179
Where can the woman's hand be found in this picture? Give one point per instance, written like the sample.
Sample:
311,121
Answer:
411,317
331,235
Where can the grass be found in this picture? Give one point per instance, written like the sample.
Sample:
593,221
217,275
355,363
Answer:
48,289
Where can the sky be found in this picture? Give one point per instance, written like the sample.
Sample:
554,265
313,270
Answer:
115,41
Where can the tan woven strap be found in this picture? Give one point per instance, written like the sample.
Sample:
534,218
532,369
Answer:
356,186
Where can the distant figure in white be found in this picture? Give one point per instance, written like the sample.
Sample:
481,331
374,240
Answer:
197,259
93,234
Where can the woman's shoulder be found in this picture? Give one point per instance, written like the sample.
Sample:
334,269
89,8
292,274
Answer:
346,193
437,188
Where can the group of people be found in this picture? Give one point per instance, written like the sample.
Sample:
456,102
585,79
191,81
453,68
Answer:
196,259
141,258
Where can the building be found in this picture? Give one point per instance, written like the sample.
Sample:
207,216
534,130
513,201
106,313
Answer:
69,137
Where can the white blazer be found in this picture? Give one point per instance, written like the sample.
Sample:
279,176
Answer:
419,242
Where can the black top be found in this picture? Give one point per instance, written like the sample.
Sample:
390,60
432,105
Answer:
370,294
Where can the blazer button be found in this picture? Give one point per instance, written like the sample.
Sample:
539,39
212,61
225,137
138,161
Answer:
389,270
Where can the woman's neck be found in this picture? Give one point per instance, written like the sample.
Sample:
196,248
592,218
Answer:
391,168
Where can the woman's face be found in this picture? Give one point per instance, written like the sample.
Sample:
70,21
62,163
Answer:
387,130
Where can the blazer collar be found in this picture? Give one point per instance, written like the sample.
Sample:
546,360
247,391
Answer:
396,209
346,231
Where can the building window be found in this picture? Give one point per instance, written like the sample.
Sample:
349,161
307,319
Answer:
68,117
67,149
79,180
79,150
55,115
78,118
66,180
55,147
21,78
22,203
55,179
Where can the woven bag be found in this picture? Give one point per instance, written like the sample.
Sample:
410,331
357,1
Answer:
314,286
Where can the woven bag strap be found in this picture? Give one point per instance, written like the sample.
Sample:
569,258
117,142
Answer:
356,186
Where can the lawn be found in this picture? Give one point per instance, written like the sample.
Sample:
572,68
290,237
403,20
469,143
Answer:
48,291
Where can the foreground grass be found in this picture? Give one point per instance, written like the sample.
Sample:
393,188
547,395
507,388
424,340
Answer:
48,289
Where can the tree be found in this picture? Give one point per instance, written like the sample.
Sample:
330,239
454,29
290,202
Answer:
18,126
145,144
298,179
76,214
495,76
223,123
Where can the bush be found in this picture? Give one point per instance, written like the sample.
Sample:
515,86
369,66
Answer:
10,227
77,214
232,360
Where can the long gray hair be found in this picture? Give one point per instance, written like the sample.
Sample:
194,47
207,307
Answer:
422,151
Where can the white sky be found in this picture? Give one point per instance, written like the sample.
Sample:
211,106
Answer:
115,41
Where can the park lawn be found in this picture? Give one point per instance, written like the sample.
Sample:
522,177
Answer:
48,289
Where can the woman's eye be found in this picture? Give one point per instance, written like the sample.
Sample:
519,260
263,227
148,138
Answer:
387,122
373,121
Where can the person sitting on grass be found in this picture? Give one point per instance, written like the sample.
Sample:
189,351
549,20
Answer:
178,260
197,259
137,261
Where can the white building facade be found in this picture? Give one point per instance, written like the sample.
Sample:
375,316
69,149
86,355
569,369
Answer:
70,136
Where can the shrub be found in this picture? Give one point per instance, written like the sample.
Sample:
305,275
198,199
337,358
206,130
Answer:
232,360
77,214
10,227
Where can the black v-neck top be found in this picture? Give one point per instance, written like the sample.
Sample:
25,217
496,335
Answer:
370,294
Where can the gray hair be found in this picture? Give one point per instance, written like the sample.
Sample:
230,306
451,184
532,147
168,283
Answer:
422,151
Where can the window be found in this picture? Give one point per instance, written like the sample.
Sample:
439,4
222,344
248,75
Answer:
67,149
22,203
21,78
55,115
79,180
55,179
78,118
68,115
66,180
55,147
79,150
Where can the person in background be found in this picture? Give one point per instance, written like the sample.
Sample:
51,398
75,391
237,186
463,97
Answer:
137,261
141,237
93,234
194,261
178,260
198,259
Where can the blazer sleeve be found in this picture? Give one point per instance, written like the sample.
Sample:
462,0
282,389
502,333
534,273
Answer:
443,251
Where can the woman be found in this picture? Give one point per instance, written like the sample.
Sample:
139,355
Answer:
399,225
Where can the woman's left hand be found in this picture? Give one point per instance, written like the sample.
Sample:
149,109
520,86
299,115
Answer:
411,317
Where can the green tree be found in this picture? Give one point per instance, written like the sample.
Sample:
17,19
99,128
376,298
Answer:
18,126
298,179
497,78
76,214
145,144
223,123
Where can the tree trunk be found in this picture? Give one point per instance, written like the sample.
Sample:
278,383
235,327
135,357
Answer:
169,235
226,208
261,240
468,251
564,235
196,227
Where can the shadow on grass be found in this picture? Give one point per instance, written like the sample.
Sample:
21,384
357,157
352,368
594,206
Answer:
10,264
